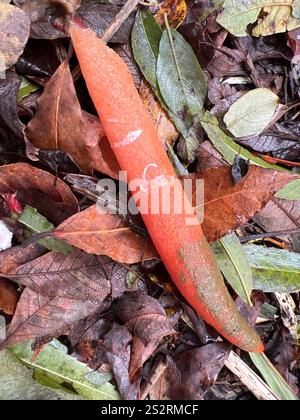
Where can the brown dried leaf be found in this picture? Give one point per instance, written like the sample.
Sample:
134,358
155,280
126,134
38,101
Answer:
14,33
39,316
227,206
117,350
280,216
105,234
18,255
144,317
78,276
58,123
199,369
139,356
100,152
21,176
8,297
176,11
165,128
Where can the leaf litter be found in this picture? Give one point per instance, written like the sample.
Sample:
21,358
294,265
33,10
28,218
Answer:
220,82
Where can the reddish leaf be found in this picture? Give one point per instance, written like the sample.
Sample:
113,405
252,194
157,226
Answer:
21,176
139,356
144,317
228,206
18,255
58,122
8,297
101,154
105,234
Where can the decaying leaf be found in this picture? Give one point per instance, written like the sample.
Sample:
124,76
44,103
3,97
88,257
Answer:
280,216
98,16
228,206
78,276
105,234
14,33
8,297
39,316
18,255
144,317
176,11
11,128
34,178
275,16
165,128
58,123
117,350
100,153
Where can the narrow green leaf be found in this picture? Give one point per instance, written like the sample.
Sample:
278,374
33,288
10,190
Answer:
180,78
273,377
27,87
274,270
251,113
145,39
17,383
55,368
37,223
235,266
290,192
228,148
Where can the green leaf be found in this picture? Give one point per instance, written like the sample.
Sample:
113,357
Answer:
235,266
56,369
274,270
268,311
273,377
237,15
37,223
252,113
296,8
228,148
17,383
180,78
27,87
290,192
145,39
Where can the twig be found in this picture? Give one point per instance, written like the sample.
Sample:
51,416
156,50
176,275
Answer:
156,375
250,379
248,238
119,19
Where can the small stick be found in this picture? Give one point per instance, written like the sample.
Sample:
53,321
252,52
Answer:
250,379
248,238
119,19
